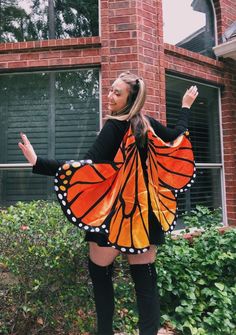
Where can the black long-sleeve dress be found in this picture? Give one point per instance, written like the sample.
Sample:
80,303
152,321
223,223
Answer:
105,148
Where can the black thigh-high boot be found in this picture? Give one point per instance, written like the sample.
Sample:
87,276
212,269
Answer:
148,302
104,296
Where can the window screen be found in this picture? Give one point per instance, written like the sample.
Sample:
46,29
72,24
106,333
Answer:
59,112
204,127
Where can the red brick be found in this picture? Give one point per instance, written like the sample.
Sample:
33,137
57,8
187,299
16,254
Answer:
81,60
49,54
125,26
91,52
124,58
20,64
120,35
59,61
29,56
120,4
125,42
4,65
119,19
9,57
124,50
37,63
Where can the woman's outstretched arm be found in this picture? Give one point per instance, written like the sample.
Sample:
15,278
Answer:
104,149
40,165
169,134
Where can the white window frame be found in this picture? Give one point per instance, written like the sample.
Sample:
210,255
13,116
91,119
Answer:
213,165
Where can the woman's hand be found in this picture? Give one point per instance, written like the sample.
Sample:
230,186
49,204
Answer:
189,97
27,149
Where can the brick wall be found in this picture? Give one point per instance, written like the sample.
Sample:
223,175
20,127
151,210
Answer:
225,15
229,137
132,39
50,54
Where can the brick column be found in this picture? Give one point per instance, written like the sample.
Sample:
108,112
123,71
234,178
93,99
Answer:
131,36
229,139
225,15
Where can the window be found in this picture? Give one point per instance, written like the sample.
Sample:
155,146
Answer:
28,20
59,112
189,24
205,136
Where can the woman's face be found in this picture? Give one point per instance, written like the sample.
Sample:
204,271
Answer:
118,96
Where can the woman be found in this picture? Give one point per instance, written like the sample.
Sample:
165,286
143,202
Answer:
125,101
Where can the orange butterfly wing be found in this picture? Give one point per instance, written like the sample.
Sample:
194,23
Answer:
129,223
86,192
171,169
110,198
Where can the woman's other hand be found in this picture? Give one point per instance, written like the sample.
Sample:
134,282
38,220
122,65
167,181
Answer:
189,97
27,149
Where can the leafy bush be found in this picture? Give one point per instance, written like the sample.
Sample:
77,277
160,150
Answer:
48,256
197,278
203,218
52,294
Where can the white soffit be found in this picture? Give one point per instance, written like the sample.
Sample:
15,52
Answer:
227,49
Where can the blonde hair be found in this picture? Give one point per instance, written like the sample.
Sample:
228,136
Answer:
133,110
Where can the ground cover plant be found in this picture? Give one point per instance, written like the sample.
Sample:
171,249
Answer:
45,287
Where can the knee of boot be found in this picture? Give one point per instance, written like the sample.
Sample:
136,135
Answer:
143,272
99,272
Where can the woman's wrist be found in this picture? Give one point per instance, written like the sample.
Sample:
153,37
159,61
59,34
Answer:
34,160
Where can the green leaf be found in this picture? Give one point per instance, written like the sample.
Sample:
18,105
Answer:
220,286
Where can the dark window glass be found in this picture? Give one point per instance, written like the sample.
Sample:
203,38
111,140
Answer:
30,20
59,112
204,130
22,185
205,190
189,24
204,121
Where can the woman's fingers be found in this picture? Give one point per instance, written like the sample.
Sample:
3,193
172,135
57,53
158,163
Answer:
24,139
193,90
22,147
190,96
27,149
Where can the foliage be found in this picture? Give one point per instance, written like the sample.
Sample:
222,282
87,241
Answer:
197,278
48,256
202,217
52,293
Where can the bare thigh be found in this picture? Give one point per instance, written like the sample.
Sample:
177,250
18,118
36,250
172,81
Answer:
145,258
102,256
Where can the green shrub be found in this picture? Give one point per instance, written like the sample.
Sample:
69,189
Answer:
48,256
203,218
197,278
52,292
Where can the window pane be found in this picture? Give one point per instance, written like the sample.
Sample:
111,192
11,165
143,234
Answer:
204,120
59,112
27,20
76,18
190,25
205,191
21,185
205,137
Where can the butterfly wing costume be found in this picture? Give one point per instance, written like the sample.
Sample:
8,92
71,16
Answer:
113,197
